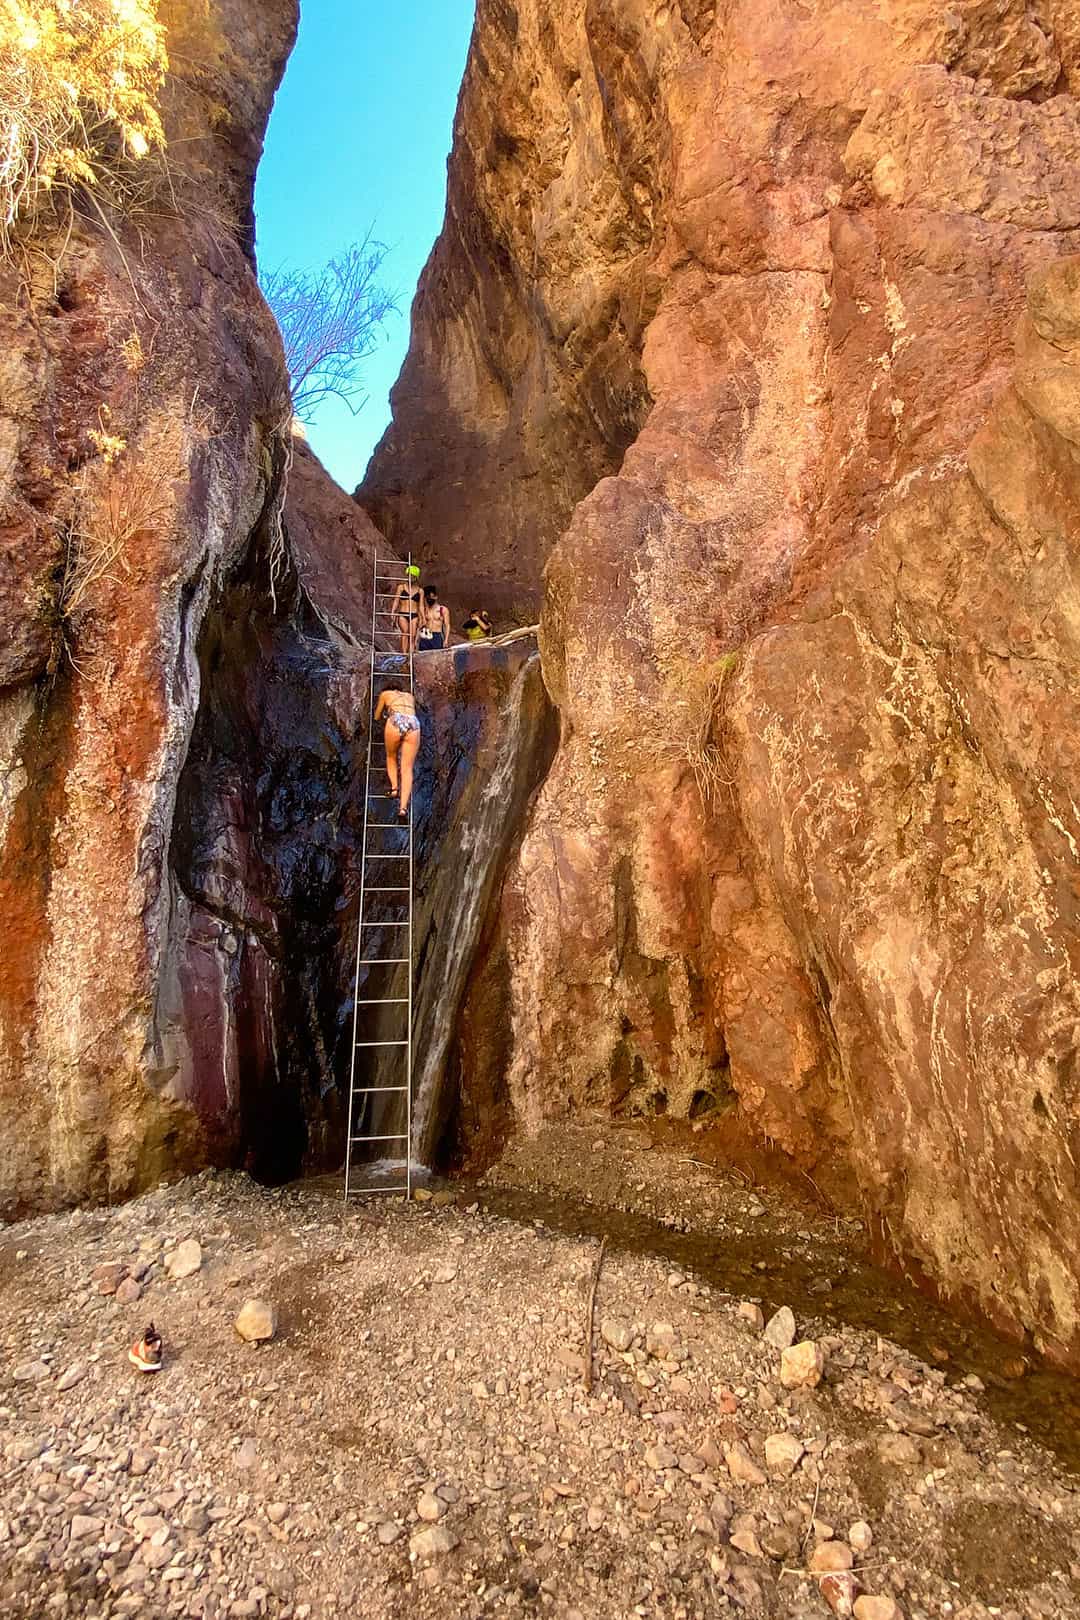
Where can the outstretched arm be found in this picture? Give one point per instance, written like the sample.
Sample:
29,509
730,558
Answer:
446,625
380,705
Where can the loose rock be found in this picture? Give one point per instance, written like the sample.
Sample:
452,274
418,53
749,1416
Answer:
802,1365
831,1558
617,1334
899,1450
31,1372
742,1467
432,1543
780,1330
257,1321
860,1536
782,1454
185,1260
877,1608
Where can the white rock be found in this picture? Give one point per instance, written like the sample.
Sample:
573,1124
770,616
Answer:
433,1542
430,1508
616,1333
783,1454
30,1372
185,1260
749,1312
74,1375
780,1330
257,1320
389,1532
802,1365
861,1536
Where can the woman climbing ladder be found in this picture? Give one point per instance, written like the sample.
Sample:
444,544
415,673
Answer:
402,738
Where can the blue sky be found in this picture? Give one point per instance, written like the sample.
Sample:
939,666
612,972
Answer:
359,136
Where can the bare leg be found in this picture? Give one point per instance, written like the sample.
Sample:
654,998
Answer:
392,738
404,626
410,745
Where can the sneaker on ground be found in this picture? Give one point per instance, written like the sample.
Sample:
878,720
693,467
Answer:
145,1353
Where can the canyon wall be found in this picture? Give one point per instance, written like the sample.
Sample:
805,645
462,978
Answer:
144,424
796,279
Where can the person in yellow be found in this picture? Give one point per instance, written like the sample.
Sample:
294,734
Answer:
477,626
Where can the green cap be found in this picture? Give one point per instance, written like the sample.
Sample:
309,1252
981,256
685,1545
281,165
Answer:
412,571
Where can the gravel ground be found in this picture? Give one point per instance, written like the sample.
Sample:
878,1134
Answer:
417,1438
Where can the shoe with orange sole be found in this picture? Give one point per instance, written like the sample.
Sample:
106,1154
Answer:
145,1353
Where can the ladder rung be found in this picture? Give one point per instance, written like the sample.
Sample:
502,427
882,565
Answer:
400,1137
382,961
368,1091
382,1001
366,1192
388,857
382,1043
384,925
370,890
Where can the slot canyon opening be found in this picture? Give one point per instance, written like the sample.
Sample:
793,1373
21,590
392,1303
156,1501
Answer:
266,861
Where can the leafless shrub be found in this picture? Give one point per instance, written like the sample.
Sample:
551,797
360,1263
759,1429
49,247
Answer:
330,321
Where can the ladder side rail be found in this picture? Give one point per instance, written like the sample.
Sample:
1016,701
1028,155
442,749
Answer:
363,876
409,953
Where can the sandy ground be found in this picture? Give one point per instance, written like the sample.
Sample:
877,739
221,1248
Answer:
418,1438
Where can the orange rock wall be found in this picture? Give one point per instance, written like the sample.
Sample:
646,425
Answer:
809,849
155,336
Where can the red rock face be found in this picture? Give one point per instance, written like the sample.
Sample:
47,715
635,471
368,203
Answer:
809,845
99,685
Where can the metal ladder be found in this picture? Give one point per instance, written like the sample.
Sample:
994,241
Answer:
365,1119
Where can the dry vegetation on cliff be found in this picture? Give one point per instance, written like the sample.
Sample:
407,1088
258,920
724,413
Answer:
79,103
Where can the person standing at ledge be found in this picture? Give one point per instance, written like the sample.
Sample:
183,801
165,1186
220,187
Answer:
402,737
408,607
435,630
477,626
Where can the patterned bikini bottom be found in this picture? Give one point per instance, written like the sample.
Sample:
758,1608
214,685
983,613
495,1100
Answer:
404,722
